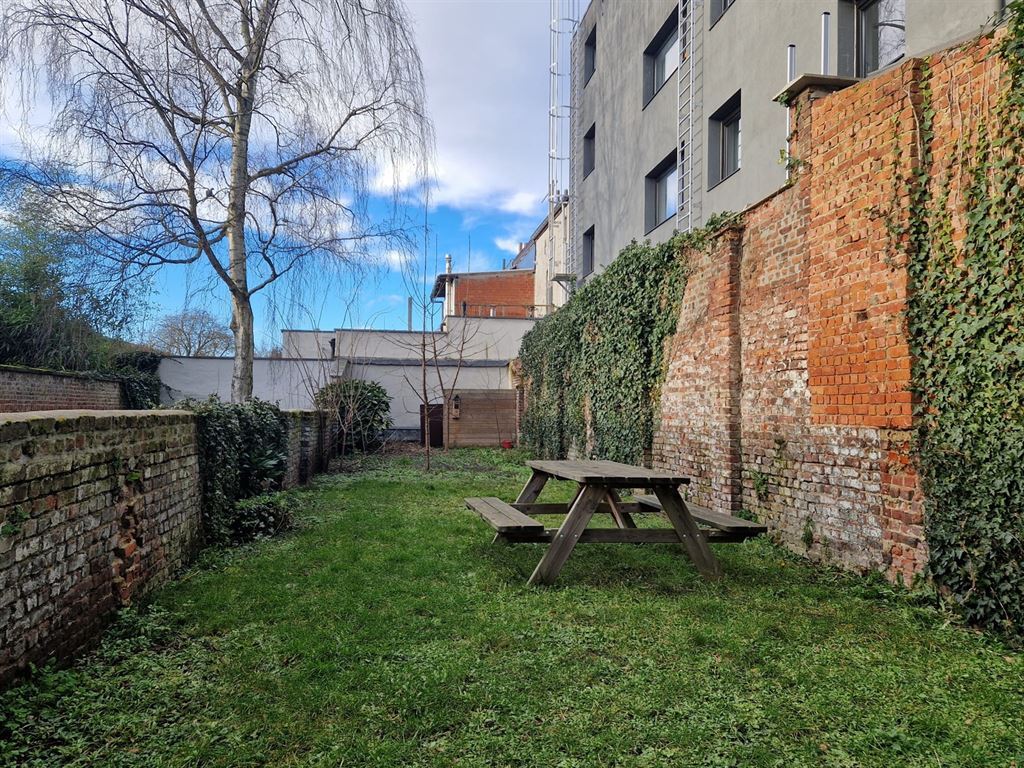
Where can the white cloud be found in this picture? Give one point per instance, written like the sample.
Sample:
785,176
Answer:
486,65
523,203
395,260
508,244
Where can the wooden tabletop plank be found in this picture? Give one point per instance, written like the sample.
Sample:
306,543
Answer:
607,473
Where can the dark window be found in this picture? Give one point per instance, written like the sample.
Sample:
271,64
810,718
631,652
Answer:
590,55
718,7
724,141
589,158
587,265
881,34
662,192
661,57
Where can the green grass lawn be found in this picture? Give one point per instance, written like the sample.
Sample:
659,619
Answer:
388,631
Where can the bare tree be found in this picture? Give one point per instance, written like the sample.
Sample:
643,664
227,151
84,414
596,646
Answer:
192,333
441,352
455,347
239,133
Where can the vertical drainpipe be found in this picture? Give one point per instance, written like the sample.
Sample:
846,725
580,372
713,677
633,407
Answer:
790,77
826,19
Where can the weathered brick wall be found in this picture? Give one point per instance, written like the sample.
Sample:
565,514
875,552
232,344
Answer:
788,384
98,508
698,433
27,389
311,442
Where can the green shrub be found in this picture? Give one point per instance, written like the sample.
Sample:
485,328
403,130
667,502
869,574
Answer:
262,516
362,410
243,451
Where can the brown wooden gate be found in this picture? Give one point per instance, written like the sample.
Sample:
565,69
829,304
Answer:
432,425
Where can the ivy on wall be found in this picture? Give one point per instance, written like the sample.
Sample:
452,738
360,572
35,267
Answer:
966,324
243,452
593,369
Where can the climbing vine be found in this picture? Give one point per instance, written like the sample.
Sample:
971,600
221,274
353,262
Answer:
965,320
594,368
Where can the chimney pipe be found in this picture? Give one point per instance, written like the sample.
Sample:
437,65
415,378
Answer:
790,63
410,312
826,18
448,263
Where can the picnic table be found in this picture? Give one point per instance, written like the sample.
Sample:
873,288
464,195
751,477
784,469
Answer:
598,487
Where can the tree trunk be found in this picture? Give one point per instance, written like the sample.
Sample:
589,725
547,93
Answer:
241,304
426,395
241,325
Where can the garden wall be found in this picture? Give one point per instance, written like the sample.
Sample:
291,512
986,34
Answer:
98,508
311,441
28,389
788,380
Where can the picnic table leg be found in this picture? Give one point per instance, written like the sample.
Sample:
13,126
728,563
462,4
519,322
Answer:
533,487
568,534
692,539
622,519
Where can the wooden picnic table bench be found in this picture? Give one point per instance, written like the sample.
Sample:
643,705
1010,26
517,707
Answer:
598,486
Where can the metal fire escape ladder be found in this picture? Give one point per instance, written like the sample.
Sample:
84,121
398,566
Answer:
563,177
691,135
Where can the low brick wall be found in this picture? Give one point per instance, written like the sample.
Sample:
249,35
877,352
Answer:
311,441
28,389
98,508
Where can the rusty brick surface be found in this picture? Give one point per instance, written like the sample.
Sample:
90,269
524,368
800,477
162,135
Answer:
788,388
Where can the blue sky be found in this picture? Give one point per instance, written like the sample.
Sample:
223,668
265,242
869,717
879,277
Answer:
486,69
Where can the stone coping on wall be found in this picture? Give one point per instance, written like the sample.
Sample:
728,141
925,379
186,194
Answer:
87,375
49,418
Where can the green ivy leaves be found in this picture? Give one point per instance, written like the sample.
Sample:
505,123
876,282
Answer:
966,324
243,452
594,368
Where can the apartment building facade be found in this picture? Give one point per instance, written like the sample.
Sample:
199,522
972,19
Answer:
673,115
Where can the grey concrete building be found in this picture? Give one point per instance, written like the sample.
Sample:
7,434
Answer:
673,117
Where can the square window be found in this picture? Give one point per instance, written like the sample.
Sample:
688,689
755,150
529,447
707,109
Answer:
590,55
719,7
881,34
589,149
587,265
724,142
662,192
661,58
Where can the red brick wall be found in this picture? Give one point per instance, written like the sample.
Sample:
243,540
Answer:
698,434
788,383
25,389
508,294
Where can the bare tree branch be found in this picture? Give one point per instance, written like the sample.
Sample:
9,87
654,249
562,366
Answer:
240,133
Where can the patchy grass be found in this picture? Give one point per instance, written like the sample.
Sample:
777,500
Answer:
388,631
